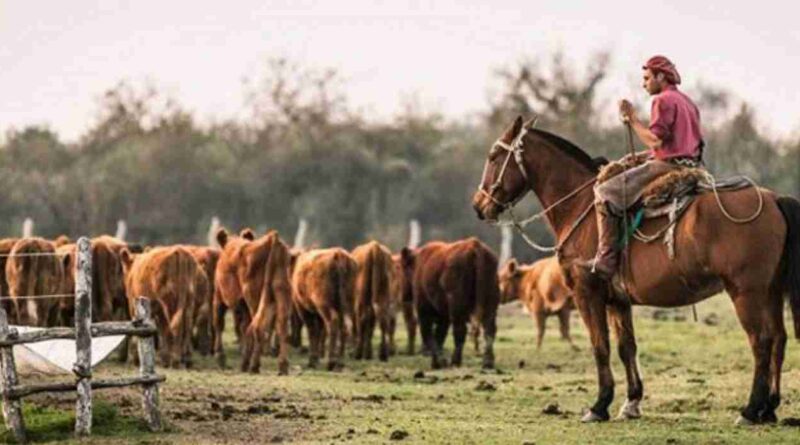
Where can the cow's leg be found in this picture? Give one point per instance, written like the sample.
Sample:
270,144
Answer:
540,316
386,335
758,316
441,326
410,319
426,318
334,325
489,322
296,329
392,329
314,325
283,312
459,338
563,320
369,330
359,326
217,328
475,333
590,296
621,320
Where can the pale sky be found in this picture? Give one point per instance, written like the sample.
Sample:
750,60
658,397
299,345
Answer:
57,57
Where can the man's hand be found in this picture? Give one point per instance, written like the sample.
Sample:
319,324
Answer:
626,112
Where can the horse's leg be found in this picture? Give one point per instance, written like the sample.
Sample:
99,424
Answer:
756,317
563,321
621,319
776,359
590,295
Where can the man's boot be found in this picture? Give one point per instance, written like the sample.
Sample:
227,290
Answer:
606,260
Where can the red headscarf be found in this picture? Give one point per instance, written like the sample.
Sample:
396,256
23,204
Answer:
660,64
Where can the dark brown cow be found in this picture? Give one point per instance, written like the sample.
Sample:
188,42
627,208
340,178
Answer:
323,283
256,272
207,257
34,269
404,295
171,278
452,282
541,288
374,300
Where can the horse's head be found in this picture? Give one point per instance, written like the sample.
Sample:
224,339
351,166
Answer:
505,180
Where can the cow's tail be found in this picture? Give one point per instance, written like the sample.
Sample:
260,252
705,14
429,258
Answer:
790,274
183,285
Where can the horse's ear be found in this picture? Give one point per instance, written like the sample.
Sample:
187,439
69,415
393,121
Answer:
531,122
514,129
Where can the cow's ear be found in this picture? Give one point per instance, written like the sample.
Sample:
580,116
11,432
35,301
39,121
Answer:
513,267
222,237
293,255
126,258
407,256
248,234
62,241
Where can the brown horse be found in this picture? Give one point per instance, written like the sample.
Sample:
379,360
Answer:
757,263
541,288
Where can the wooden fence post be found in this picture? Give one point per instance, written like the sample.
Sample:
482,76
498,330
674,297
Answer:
147,367
12,407
83,338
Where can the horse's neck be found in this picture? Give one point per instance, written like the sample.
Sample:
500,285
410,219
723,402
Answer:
554,176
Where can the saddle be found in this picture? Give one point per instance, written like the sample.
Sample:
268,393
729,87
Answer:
668,195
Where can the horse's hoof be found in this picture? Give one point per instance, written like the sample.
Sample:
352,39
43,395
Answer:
592,417
744,421
630,410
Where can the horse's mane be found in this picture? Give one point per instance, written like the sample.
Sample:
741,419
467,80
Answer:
572,150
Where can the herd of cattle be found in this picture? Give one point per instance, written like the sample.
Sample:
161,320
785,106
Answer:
339,296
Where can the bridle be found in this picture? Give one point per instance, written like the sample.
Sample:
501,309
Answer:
513,149
516,150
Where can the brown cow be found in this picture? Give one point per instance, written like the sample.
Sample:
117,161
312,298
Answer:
256,272
452,282
207,257
374,300
404,296
171,278
323,282
34,269
541,288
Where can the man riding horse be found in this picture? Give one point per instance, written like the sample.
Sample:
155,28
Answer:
674,139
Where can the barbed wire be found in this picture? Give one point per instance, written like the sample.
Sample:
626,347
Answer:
36,297
7,255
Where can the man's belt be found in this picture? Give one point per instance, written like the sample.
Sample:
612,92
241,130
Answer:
686,161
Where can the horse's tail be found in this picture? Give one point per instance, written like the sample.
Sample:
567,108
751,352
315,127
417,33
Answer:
790,275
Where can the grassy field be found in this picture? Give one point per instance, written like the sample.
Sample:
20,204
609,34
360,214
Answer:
696,377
